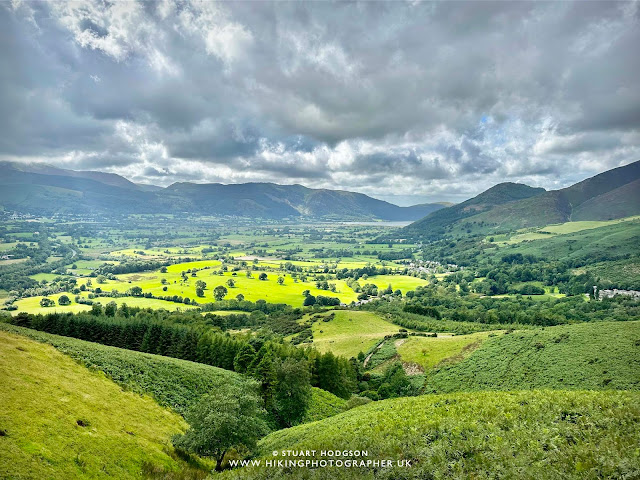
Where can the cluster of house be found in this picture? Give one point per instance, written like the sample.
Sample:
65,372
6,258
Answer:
430,267
613,292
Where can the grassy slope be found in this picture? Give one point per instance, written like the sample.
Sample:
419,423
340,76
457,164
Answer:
351,332
617,239
45,393
172,382
428,352
593,356
525,435
323,405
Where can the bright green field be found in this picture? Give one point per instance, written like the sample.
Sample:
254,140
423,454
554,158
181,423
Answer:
402,282
351,332
598,355
180,267
252,288
558,229
571,227
429,352
511,435
32,304
44,396
45,276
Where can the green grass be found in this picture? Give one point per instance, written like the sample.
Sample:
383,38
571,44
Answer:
558,229
599,355
323,405
524,435
172,382
618,239
351,332
46,400
32,304
403,282
427,352
252,288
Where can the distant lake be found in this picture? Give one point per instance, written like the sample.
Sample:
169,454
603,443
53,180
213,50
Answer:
378,224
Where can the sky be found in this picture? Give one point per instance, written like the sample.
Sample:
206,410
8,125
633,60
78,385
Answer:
409,102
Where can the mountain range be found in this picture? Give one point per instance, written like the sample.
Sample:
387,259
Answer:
512,206
45,189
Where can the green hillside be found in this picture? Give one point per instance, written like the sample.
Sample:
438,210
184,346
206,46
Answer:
524,435
435,224
605,242
599,355
323,405
59,420
618,203
171,382
508,207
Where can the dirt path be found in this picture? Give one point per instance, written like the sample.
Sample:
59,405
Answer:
366,360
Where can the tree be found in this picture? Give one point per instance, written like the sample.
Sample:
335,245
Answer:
293,391
110,309
240,297
248,273
219,292
306,293
231,416
280,280
199,292
262,276
231,283
201,285
243,358
47,302
64,300
96,309
136,291
163,269
309,300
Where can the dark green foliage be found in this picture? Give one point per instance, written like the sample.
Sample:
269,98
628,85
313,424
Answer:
64,300
292,391
230,416
422,310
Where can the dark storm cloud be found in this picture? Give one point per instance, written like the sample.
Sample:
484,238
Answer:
430,99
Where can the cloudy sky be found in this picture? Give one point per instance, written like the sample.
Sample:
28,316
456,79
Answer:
403,101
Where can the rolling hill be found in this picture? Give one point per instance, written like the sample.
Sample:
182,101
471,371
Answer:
60,420
591,356
508,206
527,435
44,189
